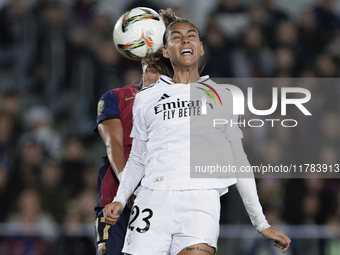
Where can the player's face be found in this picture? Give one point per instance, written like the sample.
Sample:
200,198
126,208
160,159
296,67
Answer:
150,75
184,47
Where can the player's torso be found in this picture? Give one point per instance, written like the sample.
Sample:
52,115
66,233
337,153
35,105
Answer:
170,114
173,114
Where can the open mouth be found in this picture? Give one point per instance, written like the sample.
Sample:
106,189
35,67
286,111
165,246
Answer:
187,52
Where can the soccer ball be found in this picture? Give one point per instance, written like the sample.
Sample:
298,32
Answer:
138,32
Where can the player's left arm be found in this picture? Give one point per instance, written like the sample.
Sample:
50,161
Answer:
247,188
245,184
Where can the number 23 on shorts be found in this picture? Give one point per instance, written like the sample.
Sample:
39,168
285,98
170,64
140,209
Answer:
146,214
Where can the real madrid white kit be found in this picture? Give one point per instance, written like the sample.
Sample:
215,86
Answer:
173,211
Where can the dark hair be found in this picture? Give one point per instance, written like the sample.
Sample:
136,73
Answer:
170,19
156,60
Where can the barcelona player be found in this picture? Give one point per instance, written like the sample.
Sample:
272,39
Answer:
114,124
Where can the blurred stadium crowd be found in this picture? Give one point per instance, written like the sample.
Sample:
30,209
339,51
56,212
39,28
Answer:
57,58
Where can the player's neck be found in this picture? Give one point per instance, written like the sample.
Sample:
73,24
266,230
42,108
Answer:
185,76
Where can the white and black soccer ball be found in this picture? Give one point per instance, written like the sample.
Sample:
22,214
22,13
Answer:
138,32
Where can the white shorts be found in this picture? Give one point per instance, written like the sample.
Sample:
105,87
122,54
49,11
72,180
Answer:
164,222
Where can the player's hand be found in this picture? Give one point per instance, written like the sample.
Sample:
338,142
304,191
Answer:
111,212
281,240
131,201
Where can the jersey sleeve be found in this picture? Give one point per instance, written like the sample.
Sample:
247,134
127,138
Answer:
133,172
139,129
108,107
246,187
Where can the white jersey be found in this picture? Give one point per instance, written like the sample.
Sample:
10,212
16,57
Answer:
162,114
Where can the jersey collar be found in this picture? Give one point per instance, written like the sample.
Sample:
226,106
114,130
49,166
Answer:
167,79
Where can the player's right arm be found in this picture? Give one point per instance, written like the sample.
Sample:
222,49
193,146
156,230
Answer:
132,174
134,169
111,131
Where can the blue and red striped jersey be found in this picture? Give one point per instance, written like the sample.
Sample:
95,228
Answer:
114,104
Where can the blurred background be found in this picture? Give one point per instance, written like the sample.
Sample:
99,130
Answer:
57,58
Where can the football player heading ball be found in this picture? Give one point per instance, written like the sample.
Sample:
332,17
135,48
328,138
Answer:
173,213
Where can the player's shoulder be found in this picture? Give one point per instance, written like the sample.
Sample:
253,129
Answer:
221,91
158,85
219,87
119,93
108,96
128,89
146,88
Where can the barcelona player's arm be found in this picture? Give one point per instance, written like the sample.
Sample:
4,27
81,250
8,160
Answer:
135,169
111,131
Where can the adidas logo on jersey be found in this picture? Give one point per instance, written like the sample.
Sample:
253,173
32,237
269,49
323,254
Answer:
158,179
165,96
